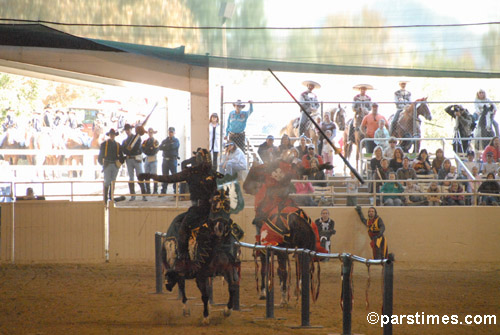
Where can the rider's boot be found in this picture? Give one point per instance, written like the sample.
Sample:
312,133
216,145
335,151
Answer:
181,265
131,188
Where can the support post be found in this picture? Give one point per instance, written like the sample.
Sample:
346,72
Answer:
346,295
305,260
269,290
159,281
388,293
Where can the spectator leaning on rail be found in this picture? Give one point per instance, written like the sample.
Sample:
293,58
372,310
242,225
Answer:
150,148
490,186
234,160
111,158
170,148
376,229
236,124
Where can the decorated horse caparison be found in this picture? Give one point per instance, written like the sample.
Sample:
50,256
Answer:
217,257
282,224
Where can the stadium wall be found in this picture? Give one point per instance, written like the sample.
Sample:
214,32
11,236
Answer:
53,231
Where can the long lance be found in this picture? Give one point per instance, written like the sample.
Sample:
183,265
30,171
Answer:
337,151
139,130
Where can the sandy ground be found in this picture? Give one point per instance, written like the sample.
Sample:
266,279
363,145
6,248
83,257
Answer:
119,299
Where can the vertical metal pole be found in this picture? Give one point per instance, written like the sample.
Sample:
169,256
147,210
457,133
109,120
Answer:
388,293
305,260
269,290
221,122
346,295
159,282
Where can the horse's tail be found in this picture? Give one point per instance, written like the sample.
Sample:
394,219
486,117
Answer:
164,257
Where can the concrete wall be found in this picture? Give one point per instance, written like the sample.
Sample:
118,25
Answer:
74,232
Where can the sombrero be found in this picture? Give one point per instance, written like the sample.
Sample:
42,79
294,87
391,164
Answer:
307,82
359,86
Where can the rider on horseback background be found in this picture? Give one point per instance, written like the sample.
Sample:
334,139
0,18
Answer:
202,182
481,102
309,101
402,98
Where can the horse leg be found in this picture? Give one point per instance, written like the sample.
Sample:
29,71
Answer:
202,283
282,274
232,279
263,276
182,289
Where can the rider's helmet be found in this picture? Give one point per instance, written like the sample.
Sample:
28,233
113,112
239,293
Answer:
203,157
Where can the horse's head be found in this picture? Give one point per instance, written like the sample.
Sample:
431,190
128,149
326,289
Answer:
338,116
423,109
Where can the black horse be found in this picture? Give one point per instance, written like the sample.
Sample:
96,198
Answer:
212,253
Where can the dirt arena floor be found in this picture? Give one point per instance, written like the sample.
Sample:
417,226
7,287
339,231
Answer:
119,299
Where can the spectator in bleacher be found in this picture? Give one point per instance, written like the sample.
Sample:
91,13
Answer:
302,147
437,162
313,163
389,151
392,187
396,161
406,172
234,160
454,199
470,162
452,175
326,125
352,185
304,188
370,124
267,151
444,170
328,152
491,186
421,164
489,165
381,174
326,228
494,148
433,199
285,144
413,200
382,135
377,159
236,124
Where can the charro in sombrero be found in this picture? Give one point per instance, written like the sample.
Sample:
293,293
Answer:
307,82
359,86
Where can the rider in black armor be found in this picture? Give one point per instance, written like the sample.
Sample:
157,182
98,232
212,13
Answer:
202,183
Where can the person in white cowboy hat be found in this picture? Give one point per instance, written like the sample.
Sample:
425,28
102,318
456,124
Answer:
309,101
236,124
361,104
402,98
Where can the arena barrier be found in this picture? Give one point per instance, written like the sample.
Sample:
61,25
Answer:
306,256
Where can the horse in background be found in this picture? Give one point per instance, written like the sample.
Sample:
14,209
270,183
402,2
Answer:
404,125
484,127
353,135
15,138
75,139
222,258
337,114
292,130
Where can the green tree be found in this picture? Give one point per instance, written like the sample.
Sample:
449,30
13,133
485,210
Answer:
490,48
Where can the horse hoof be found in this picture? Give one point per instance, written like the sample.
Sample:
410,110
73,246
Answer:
206,321
227,312
186,312
262,295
